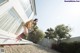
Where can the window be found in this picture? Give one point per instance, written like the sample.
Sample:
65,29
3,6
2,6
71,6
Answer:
3,1
27,7
10,21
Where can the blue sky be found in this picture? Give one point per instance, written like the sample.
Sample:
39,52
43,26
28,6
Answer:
55,12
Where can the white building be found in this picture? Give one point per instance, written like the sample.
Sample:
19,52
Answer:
13,14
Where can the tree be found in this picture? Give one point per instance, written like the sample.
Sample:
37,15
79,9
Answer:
50,33
36,34
62,31
59,33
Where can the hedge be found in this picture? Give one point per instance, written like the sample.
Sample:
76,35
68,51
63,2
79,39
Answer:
73,47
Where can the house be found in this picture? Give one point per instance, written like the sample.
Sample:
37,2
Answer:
13,15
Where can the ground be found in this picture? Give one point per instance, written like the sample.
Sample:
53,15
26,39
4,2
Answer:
31,48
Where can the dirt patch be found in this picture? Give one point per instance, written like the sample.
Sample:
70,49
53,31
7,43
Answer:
33,48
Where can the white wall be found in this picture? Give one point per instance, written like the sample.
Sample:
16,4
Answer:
18,8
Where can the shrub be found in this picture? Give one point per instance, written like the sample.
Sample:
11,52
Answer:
67,47
36,36
78,51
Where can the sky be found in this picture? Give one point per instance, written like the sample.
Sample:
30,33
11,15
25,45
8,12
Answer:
51,13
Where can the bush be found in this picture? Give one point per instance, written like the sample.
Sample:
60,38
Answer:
36,36
67,47
78,51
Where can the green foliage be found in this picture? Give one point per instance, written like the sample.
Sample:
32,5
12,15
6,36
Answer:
36,36
62,31
78,51
50,33
73,47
